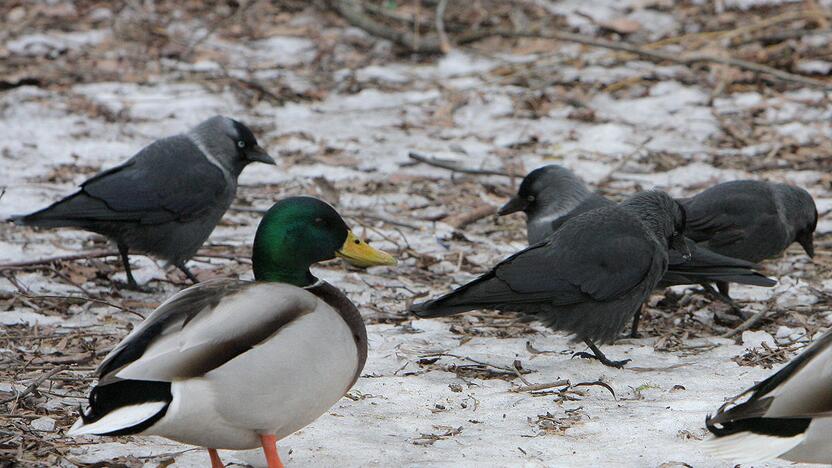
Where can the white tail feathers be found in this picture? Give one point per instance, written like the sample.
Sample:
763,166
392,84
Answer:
119,419
748,447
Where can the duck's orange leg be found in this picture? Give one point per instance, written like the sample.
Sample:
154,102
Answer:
215,458
269,442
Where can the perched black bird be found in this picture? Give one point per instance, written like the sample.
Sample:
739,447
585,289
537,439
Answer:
553,194
589,278
788,415
752,220
166,199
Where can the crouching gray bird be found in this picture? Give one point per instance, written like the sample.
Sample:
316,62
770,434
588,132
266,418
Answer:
553,194
788,415
165,200
751,219
589,278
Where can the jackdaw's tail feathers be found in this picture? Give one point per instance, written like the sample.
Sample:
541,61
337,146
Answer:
468,297
486,292
709,266
77,210
676,276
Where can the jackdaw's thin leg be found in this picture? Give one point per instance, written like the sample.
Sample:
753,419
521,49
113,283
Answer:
724,288
634,328
719,295
125,259
597,354
187,272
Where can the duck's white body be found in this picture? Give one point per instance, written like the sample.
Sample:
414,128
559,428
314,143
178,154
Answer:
762,427
299,357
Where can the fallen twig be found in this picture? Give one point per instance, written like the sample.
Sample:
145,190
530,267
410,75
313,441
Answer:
517,367
35,383
213,28
83,299
530,348
352,11
753,320
597,383
459,221
444,44
91,254
541,386
454,166
59,258
623,162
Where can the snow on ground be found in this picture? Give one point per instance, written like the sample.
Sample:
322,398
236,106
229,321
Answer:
434,392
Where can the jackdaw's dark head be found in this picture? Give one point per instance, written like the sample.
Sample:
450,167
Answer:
663,215
548,188
230,142
801,213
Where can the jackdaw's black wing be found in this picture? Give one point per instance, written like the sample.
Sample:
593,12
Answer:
592,202
706,266
724,217
598,256
169,180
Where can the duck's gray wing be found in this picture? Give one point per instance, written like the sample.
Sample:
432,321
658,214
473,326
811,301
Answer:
202,327
801,389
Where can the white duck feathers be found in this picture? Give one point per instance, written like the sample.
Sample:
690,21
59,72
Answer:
242,358
788,415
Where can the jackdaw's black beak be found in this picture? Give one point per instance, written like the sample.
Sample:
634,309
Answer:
513,206
679,244
257,153
807,241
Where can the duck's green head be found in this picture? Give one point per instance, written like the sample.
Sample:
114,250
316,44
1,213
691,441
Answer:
299,231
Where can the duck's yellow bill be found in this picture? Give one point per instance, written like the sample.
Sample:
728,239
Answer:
360,254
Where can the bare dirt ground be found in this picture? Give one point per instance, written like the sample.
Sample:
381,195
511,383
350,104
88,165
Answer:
712,92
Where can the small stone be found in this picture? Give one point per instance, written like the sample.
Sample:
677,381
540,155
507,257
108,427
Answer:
16,14
755,339
45,423
784,332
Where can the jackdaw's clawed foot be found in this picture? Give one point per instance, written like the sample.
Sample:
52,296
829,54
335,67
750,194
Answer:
602,359
188,273
133,286
716,295
634,333
597,354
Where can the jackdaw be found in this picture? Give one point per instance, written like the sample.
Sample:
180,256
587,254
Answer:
788,415
589,278
553,194
166,199
752,220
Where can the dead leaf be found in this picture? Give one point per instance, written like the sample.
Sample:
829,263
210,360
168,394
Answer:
621,25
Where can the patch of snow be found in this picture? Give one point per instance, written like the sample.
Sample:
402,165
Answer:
456,63
28,318
755,339
54,43
44,423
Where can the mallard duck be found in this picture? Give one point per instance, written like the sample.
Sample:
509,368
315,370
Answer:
232,364
788,415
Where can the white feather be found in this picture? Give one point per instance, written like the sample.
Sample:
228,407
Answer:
119,419
748,447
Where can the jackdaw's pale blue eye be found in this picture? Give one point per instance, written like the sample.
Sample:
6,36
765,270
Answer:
241,144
